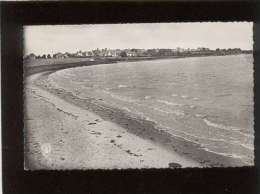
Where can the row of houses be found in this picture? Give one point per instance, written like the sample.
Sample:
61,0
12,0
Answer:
139,53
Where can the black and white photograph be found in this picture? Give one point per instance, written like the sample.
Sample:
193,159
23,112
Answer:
138,96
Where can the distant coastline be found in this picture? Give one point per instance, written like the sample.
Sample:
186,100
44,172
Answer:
32,66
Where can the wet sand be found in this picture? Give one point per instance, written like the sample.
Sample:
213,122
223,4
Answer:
61,134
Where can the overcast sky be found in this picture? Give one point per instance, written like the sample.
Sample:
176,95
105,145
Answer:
71,38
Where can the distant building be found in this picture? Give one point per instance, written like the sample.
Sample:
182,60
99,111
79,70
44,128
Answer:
165,52
103,53
202,49
30,56
97,53
60,56
68,54
86,54
79,54
112,53
141,52
130,53
151,52
180,50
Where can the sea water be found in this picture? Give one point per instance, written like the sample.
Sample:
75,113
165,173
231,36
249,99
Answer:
205,100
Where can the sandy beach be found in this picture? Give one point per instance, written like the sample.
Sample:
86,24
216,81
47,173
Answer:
62,135
65,131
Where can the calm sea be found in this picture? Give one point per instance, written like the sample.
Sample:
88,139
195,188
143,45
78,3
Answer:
206,100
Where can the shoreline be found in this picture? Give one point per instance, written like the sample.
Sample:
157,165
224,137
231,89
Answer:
61,135
32,69
144,129
136,126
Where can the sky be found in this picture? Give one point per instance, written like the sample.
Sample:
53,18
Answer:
50,39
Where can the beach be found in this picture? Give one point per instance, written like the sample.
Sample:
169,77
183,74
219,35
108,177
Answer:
61,135
69,125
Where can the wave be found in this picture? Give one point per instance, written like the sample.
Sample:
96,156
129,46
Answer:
122,86
169,103
221,126
200,115
184,96
233,155
190,137
203,146
227,128
178,113
147,97
118,97
52,82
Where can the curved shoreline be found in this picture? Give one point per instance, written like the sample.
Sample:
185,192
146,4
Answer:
52,66
142,128
146,130
55,128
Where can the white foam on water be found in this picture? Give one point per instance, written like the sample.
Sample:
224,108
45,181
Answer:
198,137
233,155
207,149
247,146
178,113
220,126
190,137
136,114
192,106
203,146
227,128
118,97
53,83
147,97
200,115
169,103
184,96
122,86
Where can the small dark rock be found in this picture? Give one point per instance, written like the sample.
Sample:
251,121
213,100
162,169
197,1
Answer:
174,165
62,158
119,136
92,123
112,141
